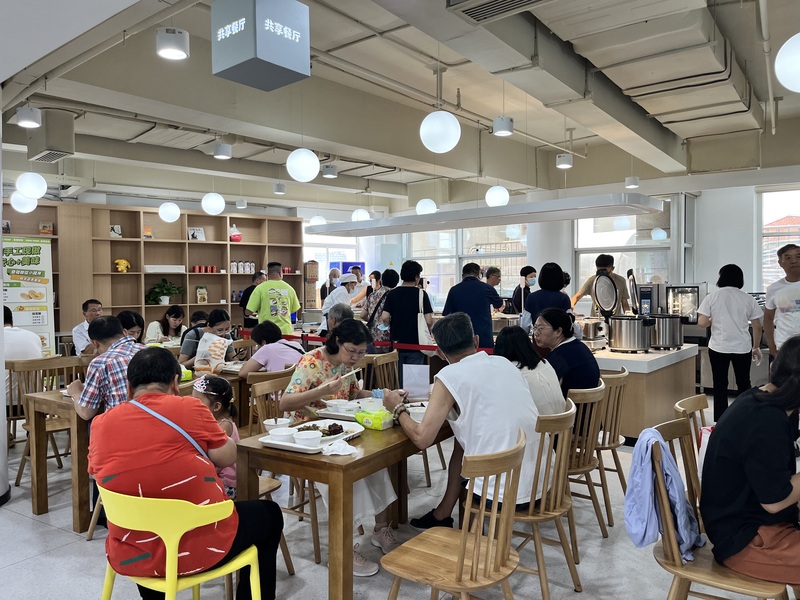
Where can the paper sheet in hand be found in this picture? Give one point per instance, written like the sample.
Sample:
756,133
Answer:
415,380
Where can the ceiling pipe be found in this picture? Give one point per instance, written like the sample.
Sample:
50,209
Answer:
763,21
83,57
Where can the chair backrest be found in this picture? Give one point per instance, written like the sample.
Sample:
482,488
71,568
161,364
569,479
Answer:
259,376
589,412
43,374
555,430
185,388
244,348
677,434
267,396
167,518
614,398
500,469
384,370
692,408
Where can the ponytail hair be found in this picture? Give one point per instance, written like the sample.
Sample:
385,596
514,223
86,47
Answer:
218,389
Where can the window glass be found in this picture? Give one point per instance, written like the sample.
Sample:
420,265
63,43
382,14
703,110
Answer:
632,230
494,239
431,243
781,219
509,266
439,275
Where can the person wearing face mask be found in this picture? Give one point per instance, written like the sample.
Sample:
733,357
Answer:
374,282
549,295
527,281
330,285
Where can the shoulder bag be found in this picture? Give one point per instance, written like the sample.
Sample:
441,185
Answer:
423,333
172,424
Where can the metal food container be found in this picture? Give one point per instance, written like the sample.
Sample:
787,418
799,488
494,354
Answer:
630,334
500,321
592,327
667,332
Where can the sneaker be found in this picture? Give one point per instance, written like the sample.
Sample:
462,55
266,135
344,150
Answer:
428,520
361,566
384,539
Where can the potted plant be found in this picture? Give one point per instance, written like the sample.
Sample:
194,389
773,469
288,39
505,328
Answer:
161,292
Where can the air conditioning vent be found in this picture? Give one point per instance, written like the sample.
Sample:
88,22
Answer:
55,139
479,12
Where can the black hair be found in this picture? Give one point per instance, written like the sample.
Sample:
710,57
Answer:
526,270
8,319
731,276
558,318
376,275
785,375
85,305
219,390
354,268
514,344
410,270
266,332
783,249
567,279
471,268
198,315
152,365
218,315
174,311
256,275
103,329
130,319
454,334
604,261
551,277
491,271
348,331
274,267
390,278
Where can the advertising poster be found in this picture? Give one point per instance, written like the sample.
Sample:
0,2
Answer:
28,286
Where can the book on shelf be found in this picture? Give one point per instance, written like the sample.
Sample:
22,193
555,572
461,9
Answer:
197,234
6,226
45,228
115,231
147,232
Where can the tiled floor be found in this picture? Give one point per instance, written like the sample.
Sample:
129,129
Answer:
43,558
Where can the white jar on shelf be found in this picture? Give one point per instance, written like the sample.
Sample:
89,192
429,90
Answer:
233,267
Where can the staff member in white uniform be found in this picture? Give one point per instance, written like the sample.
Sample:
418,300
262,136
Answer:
339,295
729,311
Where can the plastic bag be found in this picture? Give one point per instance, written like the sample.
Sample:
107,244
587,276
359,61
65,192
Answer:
211,351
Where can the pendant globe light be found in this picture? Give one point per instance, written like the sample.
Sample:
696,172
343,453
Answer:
317,220
302,165
31,185
22,204
426,206
497,195
213,203
169,212
440,132
787,64
360,214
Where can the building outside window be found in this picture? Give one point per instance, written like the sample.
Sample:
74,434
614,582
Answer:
781,225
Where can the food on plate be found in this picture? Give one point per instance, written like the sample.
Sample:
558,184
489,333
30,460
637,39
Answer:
327,431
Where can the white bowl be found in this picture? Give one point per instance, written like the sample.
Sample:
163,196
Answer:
336,405
282,434
308,438
417,412
271,424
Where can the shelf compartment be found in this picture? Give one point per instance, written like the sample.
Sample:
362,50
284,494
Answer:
254,231
164,253
207,255
161,230
215,229
129,222
284,232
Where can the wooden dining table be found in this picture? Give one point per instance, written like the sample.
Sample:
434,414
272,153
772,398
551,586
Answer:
376,450
41,404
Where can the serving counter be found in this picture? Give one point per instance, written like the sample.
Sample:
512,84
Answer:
657,380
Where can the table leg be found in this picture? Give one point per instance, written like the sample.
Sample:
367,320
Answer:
79,446
402,491
38,444
246,477
340,537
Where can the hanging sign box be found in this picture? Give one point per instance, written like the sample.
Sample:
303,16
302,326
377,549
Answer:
264,44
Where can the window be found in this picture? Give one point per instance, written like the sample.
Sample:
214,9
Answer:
781,225
326,249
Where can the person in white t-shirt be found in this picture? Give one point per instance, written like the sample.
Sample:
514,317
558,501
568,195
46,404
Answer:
92,309
359,292
19,344
729,311
782,308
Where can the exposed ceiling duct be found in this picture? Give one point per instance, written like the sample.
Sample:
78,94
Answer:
55,139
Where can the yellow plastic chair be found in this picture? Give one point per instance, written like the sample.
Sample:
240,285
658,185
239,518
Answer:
170,520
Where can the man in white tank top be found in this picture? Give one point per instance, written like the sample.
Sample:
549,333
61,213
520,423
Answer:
485,399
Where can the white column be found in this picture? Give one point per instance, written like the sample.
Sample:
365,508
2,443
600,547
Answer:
4,486
553,242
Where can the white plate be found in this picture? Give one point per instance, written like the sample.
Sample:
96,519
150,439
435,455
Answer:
232,367
351,430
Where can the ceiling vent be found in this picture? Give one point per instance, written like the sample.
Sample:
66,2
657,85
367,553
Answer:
55,139
480,12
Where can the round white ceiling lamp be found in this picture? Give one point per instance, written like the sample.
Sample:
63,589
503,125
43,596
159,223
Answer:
360,214
223,151
29,117
497,195
279,189
631,182
213,203
657,234
787,64
513,231
330,171
31,185
317,220
426,206
503,126
302,165
564,161
622,223
172,43
440,131
21,203
169,212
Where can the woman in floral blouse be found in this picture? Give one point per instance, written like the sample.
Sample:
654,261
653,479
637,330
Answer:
318,375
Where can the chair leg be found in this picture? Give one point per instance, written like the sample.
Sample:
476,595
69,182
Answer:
604,487
679,590
395,589
441,456
573,536
596,503
620,472
312,505
56,454
108,583
287,558
26,452
562,535
434,594
228,586
98,508
537,544
507,594
427,467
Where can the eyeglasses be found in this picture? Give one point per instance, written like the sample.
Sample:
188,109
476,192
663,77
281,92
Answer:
540,328
355,352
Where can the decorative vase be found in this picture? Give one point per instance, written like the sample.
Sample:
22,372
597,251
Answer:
163,299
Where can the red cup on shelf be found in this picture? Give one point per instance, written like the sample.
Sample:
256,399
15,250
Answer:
214,269
196,269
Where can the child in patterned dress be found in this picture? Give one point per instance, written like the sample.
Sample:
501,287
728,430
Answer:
216,394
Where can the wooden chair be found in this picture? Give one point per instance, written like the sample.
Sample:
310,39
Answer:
703,570
692,409
462,561
555,503
170,520
610,438
15,411
252,409
582,460
38,375
244,348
